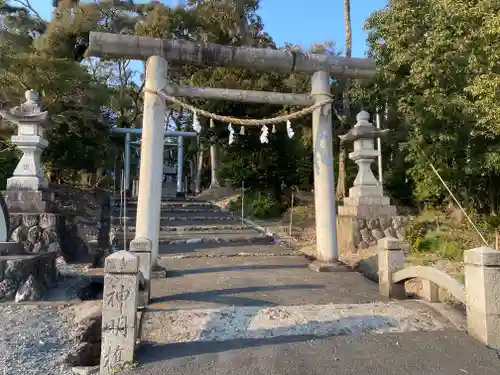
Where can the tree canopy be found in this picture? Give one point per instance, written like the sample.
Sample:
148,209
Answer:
437,88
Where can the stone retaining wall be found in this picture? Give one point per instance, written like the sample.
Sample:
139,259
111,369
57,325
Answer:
38,233
355,233
73,238
25,277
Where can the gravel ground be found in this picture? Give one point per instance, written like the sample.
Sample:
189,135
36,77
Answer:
33,340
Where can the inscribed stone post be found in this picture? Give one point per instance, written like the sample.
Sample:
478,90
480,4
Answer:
119,311
141,247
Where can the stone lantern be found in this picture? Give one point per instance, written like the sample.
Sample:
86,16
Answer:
366,198
26,189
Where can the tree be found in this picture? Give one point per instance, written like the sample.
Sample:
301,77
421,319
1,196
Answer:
40,55
346,103
437,63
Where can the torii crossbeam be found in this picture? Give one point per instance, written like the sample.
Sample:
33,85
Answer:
158,51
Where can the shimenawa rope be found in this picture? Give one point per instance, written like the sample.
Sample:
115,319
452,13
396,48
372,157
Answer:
243,122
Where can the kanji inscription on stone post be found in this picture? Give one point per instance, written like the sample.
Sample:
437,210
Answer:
119,310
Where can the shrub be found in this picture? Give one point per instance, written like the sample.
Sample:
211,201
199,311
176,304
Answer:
259,204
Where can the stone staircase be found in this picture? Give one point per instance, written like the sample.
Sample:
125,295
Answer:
190,227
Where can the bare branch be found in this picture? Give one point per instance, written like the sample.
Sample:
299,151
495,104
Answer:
27,5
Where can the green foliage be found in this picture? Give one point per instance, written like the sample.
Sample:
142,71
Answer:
9,157
437,64
443,245
258,204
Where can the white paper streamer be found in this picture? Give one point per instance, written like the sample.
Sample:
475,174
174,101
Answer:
196,123
289,129
264,135
231,134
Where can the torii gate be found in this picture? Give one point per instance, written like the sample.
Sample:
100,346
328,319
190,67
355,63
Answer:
158,51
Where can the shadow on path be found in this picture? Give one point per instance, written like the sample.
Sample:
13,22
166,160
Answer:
184,272
225,297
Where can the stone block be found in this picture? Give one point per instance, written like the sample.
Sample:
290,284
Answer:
429,291
11,248
29,201
366,210
482,294
390,243
38,233
26,277
390,260
121,262
141,247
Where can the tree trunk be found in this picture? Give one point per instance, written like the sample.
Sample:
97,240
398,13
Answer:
341,193
214,161
199,170
346,103
241,25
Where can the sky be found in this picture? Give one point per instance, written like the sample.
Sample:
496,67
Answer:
298,22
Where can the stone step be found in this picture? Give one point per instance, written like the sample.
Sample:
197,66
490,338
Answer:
185,218
165,209
172,205
189,228
217,250
166,235
224,239
170,200
115,223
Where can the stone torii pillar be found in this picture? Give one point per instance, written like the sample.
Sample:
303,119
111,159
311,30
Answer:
151,165
180,168
324,185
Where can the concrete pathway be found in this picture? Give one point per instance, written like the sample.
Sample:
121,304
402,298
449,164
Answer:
235,302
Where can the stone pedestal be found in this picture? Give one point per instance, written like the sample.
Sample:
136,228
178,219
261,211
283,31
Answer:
29,201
